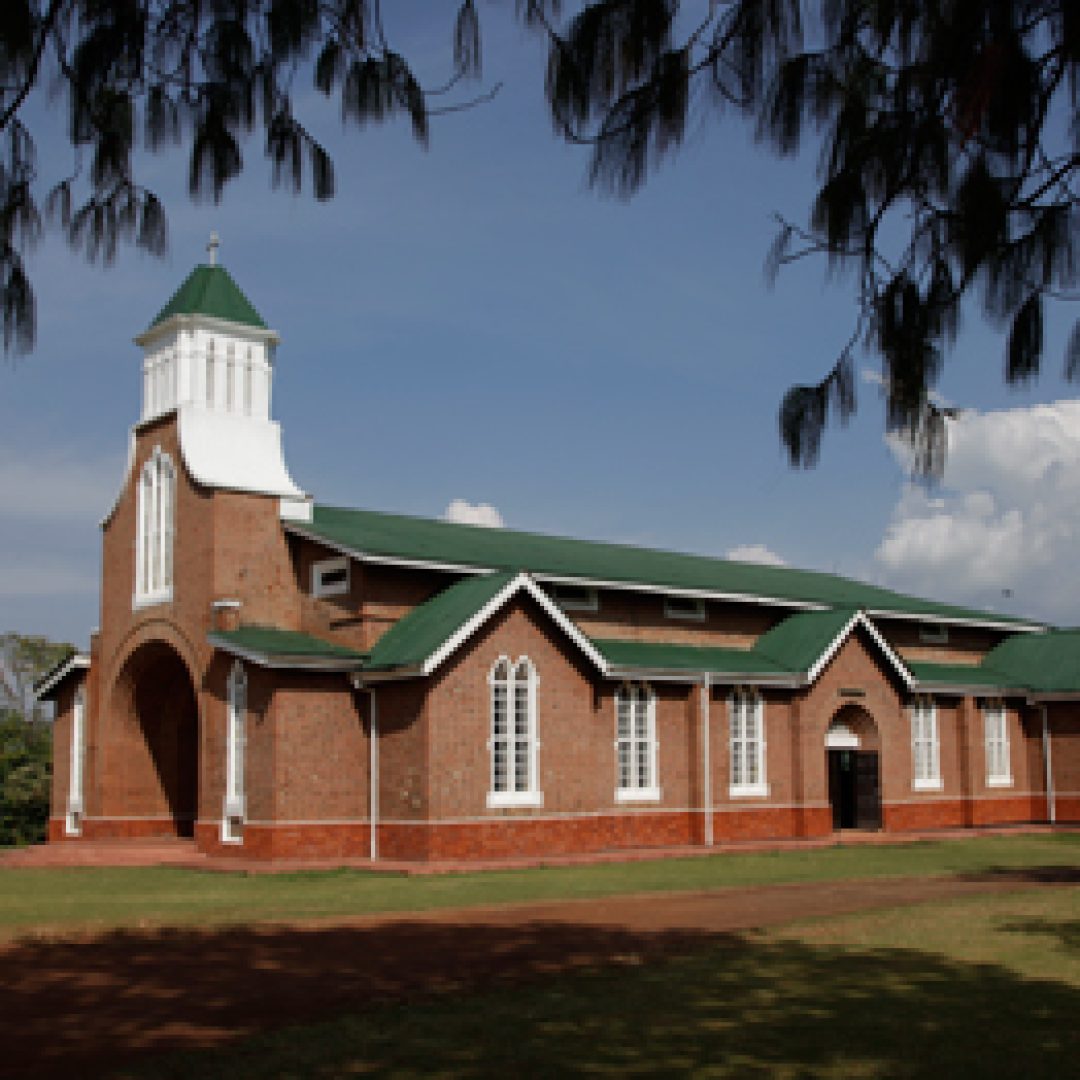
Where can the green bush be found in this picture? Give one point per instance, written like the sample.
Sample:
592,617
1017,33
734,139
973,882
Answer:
25,780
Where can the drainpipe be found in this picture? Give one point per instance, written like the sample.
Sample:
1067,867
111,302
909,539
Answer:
706,753
1048,761
373,766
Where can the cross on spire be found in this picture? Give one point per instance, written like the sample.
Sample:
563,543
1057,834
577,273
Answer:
212,248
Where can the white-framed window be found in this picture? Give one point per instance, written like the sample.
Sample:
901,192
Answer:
575,597
514,743
996,734
76,777
156,529
925,746
635,744
746,714
234,810
684,607
330,577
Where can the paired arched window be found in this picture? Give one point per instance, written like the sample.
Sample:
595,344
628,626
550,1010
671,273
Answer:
925,745
232,818
156,529
514,742
635,743
747,743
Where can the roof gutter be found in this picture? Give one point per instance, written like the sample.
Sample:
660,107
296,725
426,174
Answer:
286,661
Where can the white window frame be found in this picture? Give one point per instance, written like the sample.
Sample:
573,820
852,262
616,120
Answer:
155,530
636,744
694,611
996,744
925,746
746,744
589,601
234,809
323,569
505,680
77,768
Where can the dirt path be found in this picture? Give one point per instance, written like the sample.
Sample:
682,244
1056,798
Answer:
75,1007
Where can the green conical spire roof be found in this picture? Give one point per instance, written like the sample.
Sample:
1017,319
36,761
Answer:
210,290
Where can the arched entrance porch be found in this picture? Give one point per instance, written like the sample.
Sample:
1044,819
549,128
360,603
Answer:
156,744
852,750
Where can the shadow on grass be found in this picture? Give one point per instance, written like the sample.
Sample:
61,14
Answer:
1027,875
1066,933
663,1003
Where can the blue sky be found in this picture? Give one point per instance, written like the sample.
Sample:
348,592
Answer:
472,323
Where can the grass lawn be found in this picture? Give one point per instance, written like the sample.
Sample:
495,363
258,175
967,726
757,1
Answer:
983,987
58,901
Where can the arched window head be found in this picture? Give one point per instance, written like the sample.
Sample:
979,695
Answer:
513,743
635,743
156,529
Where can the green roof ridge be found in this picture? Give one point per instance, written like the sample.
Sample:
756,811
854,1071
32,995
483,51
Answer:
453,544
210,290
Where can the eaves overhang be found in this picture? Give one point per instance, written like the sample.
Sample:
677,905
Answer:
49,683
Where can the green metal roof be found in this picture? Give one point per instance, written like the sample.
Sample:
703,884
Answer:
416,636
653,656
1047,663
961,675
798,642
283,646
210,290
423,540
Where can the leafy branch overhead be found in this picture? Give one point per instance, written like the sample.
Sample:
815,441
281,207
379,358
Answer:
949,136
153,74
948,130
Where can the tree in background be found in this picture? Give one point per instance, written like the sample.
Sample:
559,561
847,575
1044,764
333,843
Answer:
949,135
25,779
25,737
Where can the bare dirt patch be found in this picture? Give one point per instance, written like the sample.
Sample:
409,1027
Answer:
76,1006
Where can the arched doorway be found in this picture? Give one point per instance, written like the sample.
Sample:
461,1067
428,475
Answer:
156,744
852,750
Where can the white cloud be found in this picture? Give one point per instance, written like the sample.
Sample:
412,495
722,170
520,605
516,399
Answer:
57,486
755,553
462,512
1005,519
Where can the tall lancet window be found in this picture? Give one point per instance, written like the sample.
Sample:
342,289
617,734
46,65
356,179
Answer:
513,743
247,382
210,363
232,818
156,529
230,376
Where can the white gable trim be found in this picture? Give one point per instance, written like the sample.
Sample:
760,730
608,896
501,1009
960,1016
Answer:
75,662
519,582
860,619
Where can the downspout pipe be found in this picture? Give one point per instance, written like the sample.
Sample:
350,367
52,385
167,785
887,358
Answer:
1048,763
706,754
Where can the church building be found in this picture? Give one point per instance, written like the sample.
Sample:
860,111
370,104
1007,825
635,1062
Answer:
276,678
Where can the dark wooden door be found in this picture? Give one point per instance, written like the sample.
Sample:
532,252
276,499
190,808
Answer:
867,790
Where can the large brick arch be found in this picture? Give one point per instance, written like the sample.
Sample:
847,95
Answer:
150,735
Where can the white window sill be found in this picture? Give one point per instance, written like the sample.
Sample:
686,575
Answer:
748,791
635,795
150,599
999,781
927,785
497,800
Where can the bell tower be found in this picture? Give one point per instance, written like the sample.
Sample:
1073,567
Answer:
209,357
